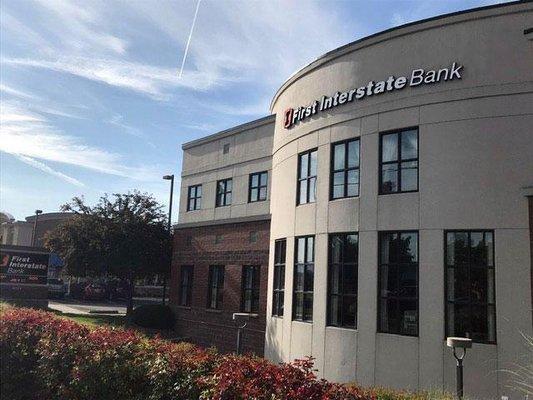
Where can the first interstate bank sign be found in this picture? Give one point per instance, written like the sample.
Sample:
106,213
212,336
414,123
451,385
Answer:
417,77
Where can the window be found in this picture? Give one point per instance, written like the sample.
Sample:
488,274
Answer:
398,283
216,287
224,192
253,237
258,187
194,198
470,287
342,280
345,169
186,285
304,271
307,166
218,239
225,148
278,297
250,289
399,162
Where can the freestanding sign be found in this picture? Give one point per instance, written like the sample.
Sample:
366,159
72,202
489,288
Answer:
23,267
23,275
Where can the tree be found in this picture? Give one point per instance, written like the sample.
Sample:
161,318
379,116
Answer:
123,235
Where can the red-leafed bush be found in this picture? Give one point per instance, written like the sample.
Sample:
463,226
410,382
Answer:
46,357
256,378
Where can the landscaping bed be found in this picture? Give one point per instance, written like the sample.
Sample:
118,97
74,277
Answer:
48,357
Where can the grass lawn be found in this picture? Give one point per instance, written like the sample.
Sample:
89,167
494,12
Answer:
94,320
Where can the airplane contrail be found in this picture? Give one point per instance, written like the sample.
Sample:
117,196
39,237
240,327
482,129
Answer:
189,40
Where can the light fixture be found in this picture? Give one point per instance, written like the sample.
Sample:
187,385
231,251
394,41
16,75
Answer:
459,343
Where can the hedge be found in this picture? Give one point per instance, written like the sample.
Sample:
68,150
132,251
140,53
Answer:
156,316
48,357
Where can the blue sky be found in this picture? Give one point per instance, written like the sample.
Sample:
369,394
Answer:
91,97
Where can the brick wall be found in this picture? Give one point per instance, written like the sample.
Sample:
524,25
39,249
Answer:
200,248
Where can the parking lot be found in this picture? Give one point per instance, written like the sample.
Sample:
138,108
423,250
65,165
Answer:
83,307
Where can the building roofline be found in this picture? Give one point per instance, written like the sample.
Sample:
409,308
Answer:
50,216
375,38
212,222
229,132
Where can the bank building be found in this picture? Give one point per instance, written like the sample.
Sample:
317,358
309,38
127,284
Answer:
385,204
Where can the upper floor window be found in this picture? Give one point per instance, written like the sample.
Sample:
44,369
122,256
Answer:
399,161
470,286
258,187
278,296
215,292
342,280
345,169
307,167
398,283
224,188
250,288
304,272
186,285
194,198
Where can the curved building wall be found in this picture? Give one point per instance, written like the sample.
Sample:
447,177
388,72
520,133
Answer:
475,155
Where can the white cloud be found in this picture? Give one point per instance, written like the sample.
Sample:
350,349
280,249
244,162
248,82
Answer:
17,93
118,120
24,133
146,79
260,42
45,168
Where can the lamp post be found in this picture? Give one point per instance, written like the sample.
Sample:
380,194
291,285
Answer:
171,179
37,213
244,317
459,343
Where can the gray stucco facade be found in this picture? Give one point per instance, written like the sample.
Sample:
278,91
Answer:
474,173
475,153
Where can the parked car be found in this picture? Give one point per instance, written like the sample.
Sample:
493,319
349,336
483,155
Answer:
56,288
95,291
117,290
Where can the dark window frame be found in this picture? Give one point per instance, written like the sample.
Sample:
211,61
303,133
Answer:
278,289
188,287
399,160
197,199
217,286
341,293
224,194
493,267
308,178
399,298
258,187
254,289
306,266
345,170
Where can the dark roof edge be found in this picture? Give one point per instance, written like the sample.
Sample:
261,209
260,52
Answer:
26,249
238,220
231,131
330,55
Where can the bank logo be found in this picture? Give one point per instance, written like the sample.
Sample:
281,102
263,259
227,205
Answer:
417,77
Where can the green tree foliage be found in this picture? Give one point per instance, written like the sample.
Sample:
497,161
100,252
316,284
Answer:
123,235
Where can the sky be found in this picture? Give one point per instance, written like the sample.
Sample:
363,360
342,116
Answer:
94,98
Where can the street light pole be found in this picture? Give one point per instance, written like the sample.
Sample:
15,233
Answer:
33,232
459,343
169,225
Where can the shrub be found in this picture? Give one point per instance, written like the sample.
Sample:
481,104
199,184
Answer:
156,316
45,357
